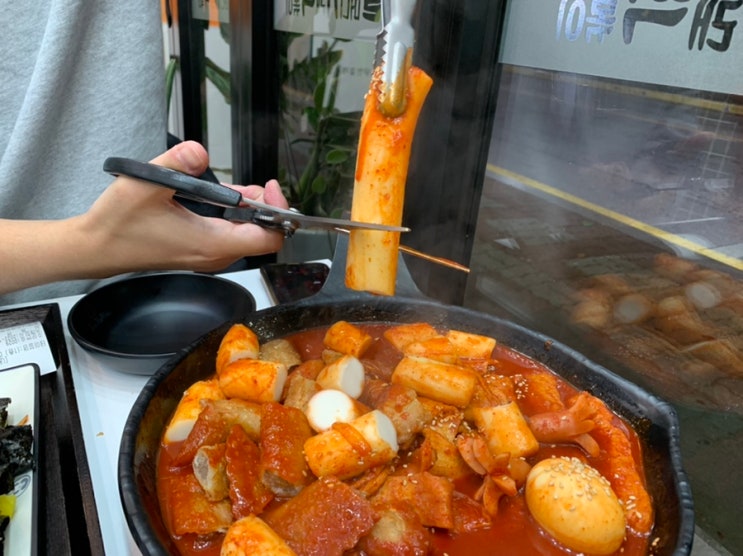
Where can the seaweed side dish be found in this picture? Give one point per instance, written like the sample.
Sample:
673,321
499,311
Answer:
16,457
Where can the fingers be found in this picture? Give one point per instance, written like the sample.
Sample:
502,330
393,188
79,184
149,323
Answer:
274,196
270,194
189,157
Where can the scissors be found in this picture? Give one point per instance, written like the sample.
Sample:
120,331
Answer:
267,216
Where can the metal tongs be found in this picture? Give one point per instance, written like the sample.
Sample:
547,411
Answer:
395,54
267,216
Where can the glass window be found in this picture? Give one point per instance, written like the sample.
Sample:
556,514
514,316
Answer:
611,220
323,80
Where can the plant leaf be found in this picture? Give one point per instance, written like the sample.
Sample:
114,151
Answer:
336,156
333,89
220,78
170,70
319,96
319,185
313,117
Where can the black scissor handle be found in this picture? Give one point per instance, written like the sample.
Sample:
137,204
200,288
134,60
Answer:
185,185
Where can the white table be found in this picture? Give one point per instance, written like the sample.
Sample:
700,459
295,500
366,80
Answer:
105,396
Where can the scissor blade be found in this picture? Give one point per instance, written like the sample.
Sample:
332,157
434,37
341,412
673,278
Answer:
280,216
338,224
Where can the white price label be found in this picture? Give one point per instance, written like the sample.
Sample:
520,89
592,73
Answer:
26,343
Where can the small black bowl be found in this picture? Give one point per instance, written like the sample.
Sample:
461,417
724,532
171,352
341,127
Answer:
137,323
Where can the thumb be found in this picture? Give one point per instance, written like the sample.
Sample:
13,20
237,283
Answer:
189,157
273,195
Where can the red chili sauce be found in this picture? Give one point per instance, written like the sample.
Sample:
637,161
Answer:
513,531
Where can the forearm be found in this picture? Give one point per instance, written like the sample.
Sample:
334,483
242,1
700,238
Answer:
35,252
132,226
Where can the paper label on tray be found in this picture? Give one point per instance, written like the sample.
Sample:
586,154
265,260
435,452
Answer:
26,343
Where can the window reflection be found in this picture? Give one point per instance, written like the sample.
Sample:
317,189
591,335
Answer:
610,220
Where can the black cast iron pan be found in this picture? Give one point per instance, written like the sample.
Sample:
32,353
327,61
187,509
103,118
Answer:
654,419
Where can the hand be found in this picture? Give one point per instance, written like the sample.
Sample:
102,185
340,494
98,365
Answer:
135,226
141,226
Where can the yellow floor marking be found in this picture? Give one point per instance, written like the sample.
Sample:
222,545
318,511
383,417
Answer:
618,217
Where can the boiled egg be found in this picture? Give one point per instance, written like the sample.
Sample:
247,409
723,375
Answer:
575,504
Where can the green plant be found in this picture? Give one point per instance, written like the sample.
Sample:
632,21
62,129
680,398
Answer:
319,143
219,77
317,155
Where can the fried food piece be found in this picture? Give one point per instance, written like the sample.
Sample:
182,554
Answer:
325,519
209,469
505,430
189,408
438,348
349,449
379,185
347,338
400,404
327,407
440,456
253,380
398,531
214,423
187,509
251,536
280,351
450,384
248,494
475,346
429,495
403,334
284,430
299,391
239,342
345,374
